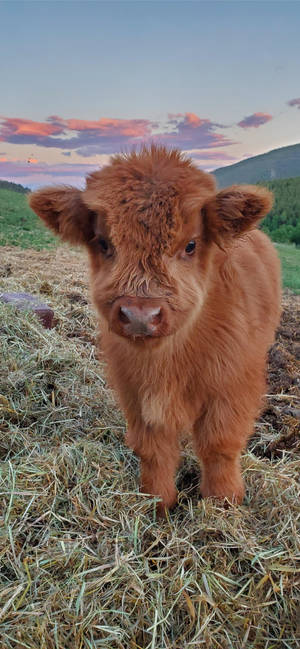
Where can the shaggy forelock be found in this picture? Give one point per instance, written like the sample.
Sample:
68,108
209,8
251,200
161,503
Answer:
141,196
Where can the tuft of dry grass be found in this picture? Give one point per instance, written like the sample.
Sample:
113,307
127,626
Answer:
84,563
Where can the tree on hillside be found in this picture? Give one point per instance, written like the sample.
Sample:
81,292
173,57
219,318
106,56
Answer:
295,238
5,184
283,221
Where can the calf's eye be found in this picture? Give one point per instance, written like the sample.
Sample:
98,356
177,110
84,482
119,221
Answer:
190,248
103,245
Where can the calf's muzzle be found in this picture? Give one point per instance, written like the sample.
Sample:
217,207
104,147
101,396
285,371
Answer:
139,317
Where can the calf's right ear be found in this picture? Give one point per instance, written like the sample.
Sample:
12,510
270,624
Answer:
235,210
64,212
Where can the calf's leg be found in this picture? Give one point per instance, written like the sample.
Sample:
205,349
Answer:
159,454
220,435
221,477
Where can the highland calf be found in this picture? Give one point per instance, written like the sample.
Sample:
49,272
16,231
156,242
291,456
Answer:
188,295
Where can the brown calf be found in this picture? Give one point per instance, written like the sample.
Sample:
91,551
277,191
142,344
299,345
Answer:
188,295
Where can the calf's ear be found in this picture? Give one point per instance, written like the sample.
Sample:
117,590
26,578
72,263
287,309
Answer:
234,210
64,212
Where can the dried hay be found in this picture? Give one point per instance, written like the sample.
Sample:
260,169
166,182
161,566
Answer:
84,562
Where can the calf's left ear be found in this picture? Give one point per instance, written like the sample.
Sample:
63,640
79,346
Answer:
64,212
234,210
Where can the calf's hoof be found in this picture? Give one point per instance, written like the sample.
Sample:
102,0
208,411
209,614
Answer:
166,502
162,508
233,493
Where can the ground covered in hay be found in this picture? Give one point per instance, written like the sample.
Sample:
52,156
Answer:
84,564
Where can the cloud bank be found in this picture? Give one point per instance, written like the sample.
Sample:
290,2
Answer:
203,139
88,138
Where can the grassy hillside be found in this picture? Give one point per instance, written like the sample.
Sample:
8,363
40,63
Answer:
290,264
279,163
19,226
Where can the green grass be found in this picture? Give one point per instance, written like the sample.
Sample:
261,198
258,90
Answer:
19,226
290,263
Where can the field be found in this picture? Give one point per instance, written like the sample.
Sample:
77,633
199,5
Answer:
85,564
290,263
19,226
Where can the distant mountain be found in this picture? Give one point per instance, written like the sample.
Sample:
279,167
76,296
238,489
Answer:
5,184
279,163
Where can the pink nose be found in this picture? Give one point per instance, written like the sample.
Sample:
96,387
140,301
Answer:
140,320
135,317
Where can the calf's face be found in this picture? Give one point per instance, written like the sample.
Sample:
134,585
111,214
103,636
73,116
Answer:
150,222
148,258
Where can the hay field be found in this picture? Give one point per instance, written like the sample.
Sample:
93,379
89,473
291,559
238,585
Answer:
84,563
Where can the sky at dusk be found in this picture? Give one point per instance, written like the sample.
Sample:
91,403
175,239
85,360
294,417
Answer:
80,81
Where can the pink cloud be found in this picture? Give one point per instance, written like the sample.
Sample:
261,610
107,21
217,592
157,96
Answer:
106,136
191,132
189,118
294,102
255,120
109,135
130,128
18,126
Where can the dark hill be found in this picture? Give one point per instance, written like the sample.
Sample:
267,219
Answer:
279,163
15,187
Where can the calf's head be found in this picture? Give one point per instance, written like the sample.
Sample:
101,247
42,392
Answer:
151,221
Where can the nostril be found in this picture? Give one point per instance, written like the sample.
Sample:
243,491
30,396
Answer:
123,317
156,317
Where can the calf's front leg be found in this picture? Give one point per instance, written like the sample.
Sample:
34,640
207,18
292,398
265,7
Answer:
159,454
220,436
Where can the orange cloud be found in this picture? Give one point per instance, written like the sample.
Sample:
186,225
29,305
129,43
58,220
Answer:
194,120
110,135
19,126
130,128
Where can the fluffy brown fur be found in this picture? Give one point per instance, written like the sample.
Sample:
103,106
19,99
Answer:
210,313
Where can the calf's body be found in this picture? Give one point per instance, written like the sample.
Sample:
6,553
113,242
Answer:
188,295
